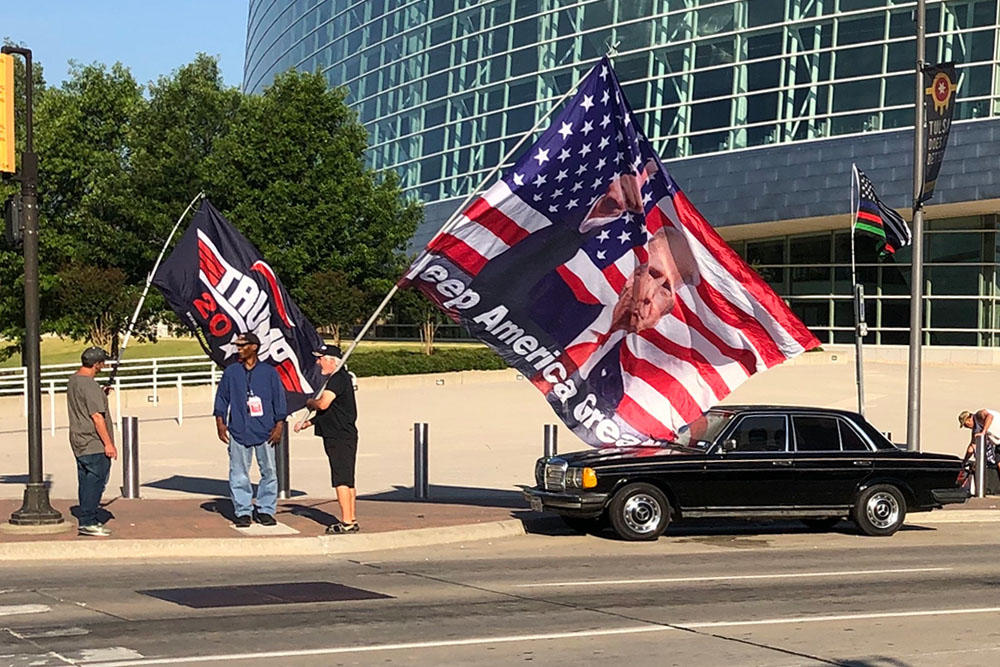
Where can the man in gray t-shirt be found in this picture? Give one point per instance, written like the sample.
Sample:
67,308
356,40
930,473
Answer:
90,437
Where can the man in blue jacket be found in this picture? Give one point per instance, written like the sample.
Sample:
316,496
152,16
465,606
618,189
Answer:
250,412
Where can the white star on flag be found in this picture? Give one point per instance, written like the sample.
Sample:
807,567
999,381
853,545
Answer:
566,130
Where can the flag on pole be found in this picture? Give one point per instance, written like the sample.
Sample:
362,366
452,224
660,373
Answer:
220,286
587,269
875,218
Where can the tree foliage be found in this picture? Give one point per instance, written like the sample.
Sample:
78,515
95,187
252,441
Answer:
119,162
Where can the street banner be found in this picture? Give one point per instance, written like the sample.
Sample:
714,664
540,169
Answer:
220,286
940,85
588,270
874,218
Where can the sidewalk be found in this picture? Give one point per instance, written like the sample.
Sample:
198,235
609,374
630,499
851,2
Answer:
199,527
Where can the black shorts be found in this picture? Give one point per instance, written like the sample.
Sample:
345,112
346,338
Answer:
343,453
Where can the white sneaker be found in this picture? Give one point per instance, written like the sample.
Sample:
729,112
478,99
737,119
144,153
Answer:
95,530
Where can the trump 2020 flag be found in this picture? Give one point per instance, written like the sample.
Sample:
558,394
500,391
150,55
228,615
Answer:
587,269
220,286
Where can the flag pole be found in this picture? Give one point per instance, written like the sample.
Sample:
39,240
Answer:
858,293
917,270
145,291
456,216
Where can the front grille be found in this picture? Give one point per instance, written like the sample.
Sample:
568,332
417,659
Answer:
555,475
540,473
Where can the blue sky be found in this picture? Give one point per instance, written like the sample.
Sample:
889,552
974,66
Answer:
151,37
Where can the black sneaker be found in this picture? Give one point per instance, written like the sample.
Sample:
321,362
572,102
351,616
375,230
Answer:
266,519
242,521
343,528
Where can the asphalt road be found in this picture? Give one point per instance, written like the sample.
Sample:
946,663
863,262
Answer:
733,594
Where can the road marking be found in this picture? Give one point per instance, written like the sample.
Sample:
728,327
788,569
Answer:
840,617
736,577
15,609
577,634
53,632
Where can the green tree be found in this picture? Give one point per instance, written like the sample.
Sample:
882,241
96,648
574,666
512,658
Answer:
173,135
94,303
412,306
330,302
291,175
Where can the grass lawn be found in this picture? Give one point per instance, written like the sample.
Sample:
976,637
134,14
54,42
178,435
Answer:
65,351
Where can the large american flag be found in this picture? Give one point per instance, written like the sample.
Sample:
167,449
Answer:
586,268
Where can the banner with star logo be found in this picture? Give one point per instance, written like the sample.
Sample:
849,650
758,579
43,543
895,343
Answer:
940,86
220,286
587,269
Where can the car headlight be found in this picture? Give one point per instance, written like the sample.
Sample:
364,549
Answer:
581,478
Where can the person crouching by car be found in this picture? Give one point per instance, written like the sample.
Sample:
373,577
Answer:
250,412
335,422
984,422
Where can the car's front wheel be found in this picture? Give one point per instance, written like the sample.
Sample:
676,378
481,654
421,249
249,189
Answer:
639,511
880,510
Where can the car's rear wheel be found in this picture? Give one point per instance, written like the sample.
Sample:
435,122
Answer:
825,523
880,510
639,511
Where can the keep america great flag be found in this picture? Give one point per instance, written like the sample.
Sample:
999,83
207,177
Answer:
587,269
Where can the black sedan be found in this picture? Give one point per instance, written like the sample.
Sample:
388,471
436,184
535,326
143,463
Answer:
814,464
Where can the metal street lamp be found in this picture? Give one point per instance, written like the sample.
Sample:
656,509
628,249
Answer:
36,510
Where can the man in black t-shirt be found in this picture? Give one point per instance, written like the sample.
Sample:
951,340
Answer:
336,414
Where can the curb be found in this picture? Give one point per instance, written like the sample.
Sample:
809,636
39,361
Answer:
227,547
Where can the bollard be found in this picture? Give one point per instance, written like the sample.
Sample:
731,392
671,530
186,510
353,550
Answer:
281,466
551,440
130,457
420,486
52,407
118,404
981,466
180,402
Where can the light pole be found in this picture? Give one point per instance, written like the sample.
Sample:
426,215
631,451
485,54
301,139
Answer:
917,270
36,510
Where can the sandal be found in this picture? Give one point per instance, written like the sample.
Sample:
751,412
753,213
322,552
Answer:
343,528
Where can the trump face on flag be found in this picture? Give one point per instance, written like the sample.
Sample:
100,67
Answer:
586,268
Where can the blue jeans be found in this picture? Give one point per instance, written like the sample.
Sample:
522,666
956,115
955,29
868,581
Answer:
240,489
91,476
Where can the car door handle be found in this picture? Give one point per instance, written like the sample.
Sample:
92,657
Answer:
860,463
781,463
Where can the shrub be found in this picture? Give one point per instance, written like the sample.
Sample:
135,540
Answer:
410,362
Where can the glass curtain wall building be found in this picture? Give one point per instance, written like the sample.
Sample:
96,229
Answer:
724,89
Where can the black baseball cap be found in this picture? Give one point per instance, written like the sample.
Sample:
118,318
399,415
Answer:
327,351
92,356
248,339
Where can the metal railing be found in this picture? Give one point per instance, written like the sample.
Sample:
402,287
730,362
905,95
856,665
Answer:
159,375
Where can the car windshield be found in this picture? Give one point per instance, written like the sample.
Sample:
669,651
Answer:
701,433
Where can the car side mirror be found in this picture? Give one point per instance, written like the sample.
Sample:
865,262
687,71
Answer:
729,445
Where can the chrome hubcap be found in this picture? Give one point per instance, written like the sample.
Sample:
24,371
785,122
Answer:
642,513
882,510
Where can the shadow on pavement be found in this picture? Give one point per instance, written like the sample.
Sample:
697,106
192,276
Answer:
207,486
311,512
223,506
724,532
455,495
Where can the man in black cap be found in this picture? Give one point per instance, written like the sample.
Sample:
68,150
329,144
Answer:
90,438
336,414
250,412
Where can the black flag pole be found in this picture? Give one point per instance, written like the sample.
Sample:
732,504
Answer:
454,220
145,291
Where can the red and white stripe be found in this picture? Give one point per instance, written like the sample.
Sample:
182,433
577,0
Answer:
490,226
